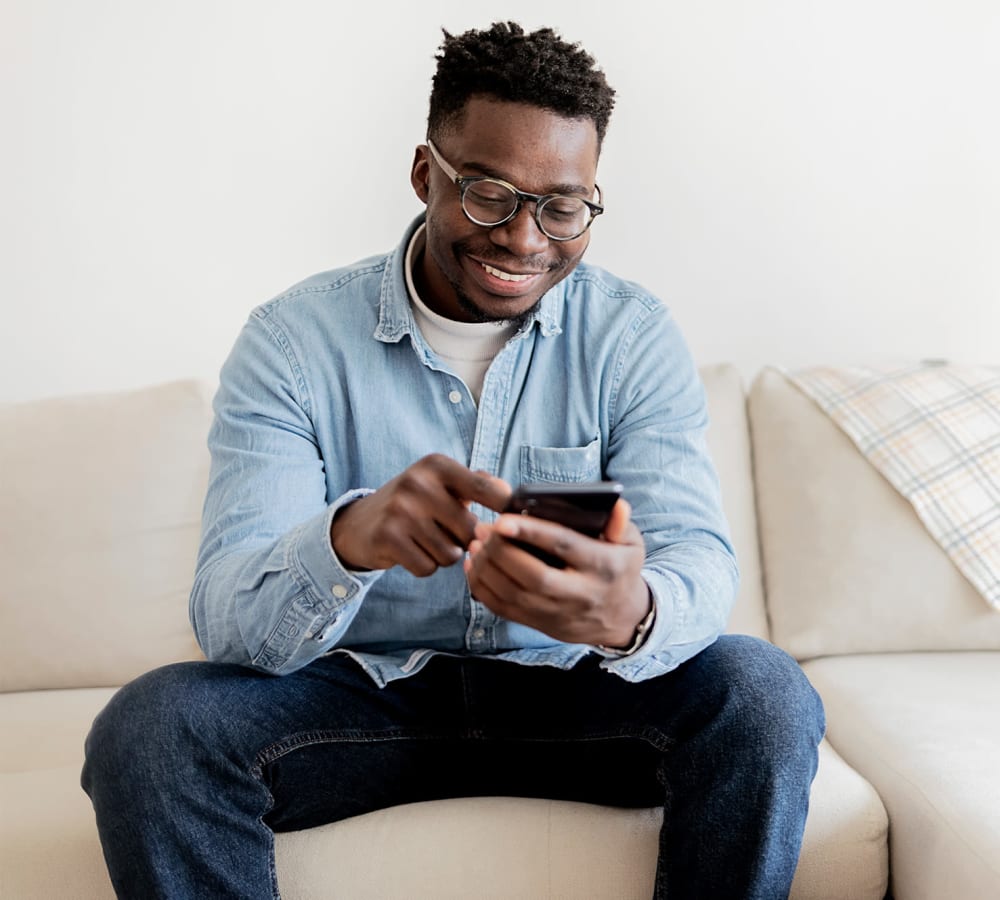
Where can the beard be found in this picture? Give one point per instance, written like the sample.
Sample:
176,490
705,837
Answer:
477,314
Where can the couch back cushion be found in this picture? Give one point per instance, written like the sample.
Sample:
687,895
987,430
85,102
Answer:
848,565
729,444
100,502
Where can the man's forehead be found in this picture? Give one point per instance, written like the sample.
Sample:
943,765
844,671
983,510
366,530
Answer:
520,136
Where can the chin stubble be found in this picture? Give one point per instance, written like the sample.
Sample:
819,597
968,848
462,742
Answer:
477,314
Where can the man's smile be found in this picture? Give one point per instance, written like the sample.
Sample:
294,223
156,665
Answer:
510,280
508,276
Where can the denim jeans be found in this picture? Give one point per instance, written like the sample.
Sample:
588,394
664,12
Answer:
194,766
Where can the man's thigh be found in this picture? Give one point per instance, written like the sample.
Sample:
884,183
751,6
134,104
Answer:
587,734
479,726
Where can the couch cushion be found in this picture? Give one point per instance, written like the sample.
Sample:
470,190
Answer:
848,565
729,444
46,729
924,729
933,430
100,505
845,847
487,847
48,841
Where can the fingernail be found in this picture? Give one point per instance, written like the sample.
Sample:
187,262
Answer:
508,526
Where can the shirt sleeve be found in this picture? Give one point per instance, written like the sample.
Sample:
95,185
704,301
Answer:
269,591
657,448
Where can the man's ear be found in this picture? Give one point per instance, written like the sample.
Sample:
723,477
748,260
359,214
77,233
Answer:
420,172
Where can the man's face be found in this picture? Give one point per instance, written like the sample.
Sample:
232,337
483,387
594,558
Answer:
472,273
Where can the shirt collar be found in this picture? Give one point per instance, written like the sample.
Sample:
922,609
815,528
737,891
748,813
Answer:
395,319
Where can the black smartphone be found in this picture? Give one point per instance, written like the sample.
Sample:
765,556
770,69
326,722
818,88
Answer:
584,507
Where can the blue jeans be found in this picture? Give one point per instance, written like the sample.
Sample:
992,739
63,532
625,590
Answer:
193,767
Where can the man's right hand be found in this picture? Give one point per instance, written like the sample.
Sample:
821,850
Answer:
420,520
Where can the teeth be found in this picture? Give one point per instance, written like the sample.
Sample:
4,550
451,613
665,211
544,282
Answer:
506,276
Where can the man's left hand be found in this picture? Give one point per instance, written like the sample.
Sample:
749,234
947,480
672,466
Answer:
598,598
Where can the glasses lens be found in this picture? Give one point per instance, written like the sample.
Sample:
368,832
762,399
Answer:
488,202
563,217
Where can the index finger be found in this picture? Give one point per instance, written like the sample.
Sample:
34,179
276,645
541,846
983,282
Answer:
474,486
488,490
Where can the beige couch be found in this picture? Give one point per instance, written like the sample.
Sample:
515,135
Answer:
99,508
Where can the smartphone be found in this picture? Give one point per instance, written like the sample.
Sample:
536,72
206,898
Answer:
584,507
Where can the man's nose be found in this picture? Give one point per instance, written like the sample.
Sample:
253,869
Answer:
521,235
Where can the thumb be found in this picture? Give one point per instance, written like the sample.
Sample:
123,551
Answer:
621,515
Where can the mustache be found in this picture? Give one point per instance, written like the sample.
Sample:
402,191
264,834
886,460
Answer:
490,256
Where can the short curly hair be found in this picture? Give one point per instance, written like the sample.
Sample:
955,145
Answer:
506,63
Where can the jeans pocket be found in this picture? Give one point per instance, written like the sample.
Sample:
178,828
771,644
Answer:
561,465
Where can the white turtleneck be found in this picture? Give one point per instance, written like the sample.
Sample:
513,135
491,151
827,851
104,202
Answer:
467,347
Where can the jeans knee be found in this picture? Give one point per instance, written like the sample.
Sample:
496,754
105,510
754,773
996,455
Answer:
142,723
771,703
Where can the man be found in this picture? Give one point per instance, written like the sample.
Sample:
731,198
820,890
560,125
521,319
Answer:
369,425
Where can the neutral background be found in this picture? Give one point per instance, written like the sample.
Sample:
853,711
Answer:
802,181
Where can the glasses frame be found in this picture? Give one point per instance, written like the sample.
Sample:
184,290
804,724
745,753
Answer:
464,182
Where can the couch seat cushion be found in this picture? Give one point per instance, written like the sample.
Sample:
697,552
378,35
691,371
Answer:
924,729
46,729
48,842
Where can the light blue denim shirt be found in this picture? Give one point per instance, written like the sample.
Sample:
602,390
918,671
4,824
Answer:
330,391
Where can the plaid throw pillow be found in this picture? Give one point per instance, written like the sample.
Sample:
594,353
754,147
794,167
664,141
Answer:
933,431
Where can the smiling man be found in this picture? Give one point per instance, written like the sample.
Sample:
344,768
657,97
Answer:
376,631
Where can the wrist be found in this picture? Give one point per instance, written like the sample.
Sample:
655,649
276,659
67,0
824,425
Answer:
340,534
640,633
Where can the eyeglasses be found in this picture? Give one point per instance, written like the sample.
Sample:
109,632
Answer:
490,202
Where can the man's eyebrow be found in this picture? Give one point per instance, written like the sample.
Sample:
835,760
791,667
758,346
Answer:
483,169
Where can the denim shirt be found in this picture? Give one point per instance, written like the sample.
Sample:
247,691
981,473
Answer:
331,391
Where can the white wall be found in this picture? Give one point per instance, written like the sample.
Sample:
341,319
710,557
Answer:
801,180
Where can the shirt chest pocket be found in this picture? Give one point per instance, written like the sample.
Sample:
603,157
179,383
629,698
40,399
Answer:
561,465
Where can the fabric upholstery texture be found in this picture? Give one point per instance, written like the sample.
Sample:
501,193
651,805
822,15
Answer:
729,444
925,728
99,524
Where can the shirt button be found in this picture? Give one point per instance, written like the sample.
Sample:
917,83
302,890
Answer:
339,591
455,397
479,634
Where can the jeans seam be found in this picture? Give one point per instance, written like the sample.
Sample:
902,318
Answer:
269,754
275,751
652,736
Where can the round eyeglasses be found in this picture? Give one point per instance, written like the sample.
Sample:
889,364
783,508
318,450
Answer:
490,202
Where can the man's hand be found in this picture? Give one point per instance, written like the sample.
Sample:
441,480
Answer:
599,598
420,520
